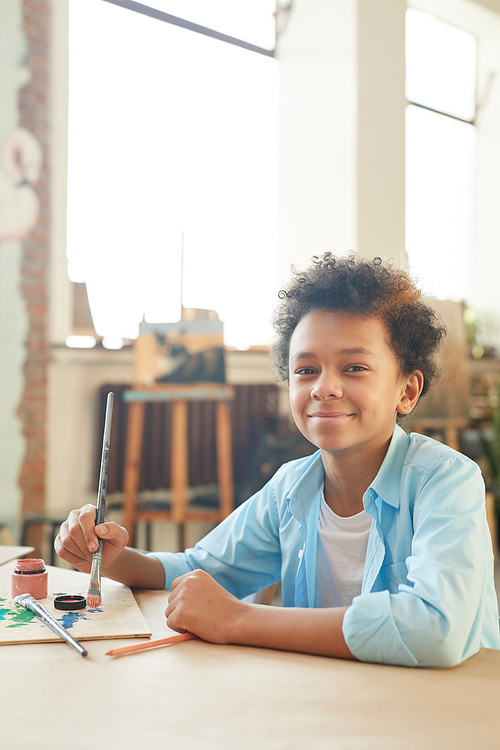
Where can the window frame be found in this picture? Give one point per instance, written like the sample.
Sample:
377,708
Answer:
160,15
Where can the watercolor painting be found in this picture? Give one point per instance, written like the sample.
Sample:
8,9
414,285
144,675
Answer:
118,616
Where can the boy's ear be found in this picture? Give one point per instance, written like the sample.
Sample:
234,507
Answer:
411,392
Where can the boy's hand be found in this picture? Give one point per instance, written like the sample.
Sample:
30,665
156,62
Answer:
199,604
78,539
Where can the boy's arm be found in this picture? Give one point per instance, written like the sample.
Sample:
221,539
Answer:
136,569
201,606
309,631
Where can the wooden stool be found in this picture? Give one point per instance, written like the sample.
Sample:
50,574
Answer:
179,512
45,521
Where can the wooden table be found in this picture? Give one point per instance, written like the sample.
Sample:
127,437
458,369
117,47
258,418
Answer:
197,695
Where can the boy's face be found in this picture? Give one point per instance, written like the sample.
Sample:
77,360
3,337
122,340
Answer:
345,383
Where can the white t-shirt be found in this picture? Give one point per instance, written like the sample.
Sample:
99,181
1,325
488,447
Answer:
342,543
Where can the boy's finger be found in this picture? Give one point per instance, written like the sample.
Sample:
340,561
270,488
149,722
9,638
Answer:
87,525
114,533
64,543
177,581
76,560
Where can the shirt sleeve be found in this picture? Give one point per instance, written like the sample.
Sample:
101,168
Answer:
242,553
434,620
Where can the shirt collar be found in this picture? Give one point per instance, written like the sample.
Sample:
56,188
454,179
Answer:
307,486
387,482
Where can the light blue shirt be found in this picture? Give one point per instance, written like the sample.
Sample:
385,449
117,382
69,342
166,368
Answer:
428,596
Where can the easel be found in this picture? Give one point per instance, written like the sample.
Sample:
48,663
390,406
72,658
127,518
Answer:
179,511
449,427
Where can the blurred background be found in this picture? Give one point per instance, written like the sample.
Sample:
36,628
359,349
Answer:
162,167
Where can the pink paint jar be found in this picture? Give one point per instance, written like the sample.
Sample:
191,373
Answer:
30,577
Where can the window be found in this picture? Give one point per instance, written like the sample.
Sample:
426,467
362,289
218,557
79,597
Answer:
440,153
172,135
251,21
440,65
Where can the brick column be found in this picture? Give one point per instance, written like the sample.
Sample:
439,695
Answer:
34,115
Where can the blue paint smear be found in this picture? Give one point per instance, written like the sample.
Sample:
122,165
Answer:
68,619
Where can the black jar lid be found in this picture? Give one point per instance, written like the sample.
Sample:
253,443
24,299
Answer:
70,602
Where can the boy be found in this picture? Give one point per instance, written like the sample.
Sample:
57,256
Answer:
380,539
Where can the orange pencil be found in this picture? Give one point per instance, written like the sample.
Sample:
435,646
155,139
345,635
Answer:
151,644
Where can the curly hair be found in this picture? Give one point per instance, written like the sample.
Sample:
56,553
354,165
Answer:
366,289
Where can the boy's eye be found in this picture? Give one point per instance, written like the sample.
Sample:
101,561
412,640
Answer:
355,368
305,371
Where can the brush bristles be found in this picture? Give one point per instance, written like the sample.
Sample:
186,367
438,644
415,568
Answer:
94,591
93,600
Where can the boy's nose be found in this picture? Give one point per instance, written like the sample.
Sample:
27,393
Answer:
327,387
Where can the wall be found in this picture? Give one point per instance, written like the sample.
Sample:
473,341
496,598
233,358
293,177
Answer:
317,132
13,319
24,247
75,378
341,130
381,129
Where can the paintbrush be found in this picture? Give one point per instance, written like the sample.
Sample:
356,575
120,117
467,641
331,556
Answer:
94,592
29,602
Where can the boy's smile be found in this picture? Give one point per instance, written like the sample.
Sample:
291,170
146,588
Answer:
345,382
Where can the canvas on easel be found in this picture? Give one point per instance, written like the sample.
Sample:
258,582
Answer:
179,362
189,351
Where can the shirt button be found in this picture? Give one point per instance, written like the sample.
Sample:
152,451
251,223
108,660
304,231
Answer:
301,552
